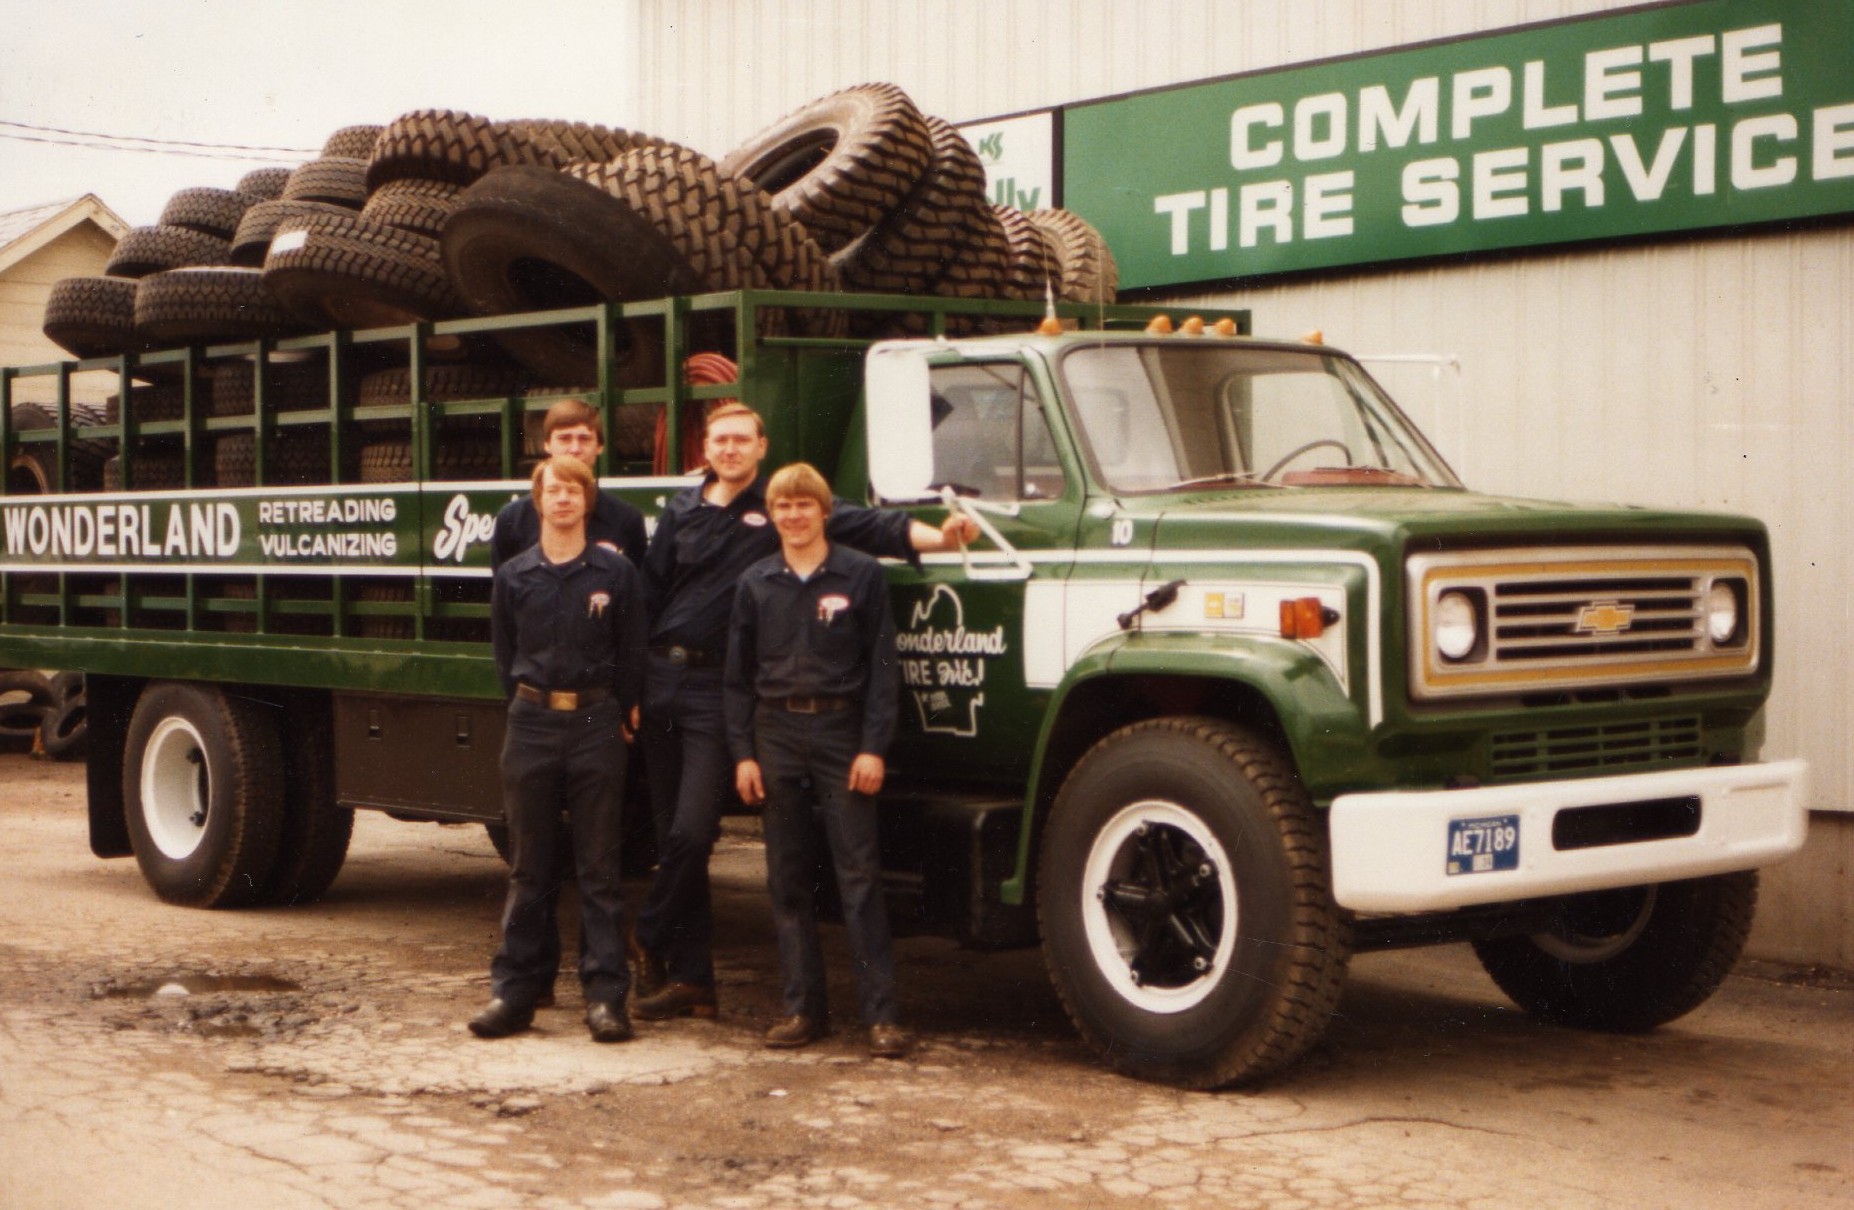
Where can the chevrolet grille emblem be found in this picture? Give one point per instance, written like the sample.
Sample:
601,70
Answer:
1604,617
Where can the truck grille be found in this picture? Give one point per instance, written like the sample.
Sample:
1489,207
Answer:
1554,620
1613,747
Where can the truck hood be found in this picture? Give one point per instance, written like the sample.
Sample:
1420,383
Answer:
1368,518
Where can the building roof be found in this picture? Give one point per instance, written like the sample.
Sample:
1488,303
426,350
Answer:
23,232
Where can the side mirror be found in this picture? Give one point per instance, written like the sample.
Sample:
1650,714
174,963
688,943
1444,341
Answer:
896,396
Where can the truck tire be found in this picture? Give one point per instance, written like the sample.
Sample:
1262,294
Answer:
1208,823
191,306
352,142
214,212
92,316
1628,960
580,142
444,382
294,458
264,184
315,834
203,788
472,455
33,469
347,271
251,243
25,698
413,205
155,470
64,732
1035,271
911,249
533,239
333,181
162,401
289,386
1088,270
448,145
147,250
841,164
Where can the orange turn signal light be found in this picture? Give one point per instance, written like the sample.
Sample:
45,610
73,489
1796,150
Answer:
1305,618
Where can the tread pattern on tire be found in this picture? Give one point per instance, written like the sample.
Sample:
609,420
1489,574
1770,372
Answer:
449,145
351,142
214,212
475,457
264,184
149,250
579,142
840,164
1321,932
354,272
293,458
92,316
184,306
335,181
417,206
1035,268
251,242
914,245
1088,270
155,470
289,386
161,401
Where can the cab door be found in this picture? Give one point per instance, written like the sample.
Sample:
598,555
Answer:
967,624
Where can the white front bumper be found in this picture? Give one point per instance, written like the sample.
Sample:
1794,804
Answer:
1390,850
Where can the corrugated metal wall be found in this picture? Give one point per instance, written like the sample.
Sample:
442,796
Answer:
1710,372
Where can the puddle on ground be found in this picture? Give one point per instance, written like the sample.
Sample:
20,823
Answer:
194,985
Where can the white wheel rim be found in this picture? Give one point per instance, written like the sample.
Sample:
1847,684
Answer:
176,788
1112,862
1582,948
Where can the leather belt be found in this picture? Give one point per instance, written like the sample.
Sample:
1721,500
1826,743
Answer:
688,657
810,705
562,699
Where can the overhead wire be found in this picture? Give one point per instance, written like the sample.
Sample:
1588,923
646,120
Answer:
154,146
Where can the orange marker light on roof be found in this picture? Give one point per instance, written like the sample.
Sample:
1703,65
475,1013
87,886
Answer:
1161,325
1050,326
1193,326
1224,327
1315,337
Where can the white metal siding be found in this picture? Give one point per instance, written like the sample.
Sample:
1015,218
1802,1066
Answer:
1711,372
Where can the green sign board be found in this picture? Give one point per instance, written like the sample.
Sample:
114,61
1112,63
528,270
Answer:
1671,118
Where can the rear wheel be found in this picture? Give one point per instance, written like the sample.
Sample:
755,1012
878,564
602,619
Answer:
1185,903
1631,959
203,788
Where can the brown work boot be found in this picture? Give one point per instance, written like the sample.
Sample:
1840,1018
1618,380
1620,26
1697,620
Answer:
678,1000
794,1032
648,974
888,1040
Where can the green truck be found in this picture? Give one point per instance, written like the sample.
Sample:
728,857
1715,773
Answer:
1240,680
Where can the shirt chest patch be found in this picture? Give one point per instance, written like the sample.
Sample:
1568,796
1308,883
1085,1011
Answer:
756,520
597,603
830,605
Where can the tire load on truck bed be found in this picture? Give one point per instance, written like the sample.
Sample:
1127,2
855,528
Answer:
33,469
214,212
350,271
92,316
187,306
147,250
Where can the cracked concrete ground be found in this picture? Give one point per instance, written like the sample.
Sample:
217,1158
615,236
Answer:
152,1056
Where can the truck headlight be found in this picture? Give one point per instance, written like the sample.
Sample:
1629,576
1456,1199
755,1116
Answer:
1724,611
1456,625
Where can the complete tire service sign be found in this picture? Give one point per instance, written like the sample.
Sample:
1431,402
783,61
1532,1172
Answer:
1670,118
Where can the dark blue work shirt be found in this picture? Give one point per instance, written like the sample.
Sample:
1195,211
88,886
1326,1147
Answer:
827,635
700,550
613,522
573,625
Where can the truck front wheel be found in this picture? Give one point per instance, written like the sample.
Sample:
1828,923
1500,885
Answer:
1631,959
203,788
1185,904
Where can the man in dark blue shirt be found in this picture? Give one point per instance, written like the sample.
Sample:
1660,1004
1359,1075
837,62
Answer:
705,538
567,626
811,698
571,427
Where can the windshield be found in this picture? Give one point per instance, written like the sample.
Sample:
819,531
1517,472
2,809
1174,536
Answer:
1159,417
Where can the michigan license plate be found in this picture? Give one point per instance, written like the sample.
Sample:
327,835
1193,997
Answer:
1480,846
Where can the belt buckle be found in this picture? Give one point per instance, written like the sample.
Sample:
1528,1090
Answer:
562,699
